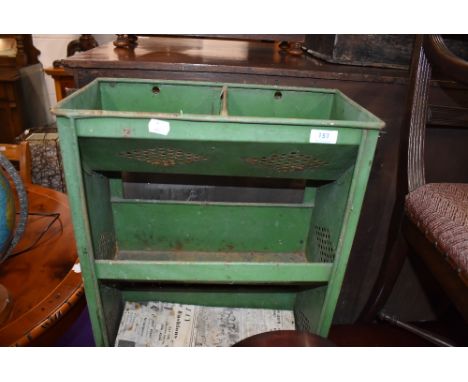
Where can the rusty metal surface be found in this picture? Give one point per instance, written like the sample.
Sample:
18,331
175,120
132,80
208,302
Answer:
181,255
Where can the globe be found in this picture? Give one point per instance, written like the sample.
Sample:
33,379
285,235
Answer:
7,214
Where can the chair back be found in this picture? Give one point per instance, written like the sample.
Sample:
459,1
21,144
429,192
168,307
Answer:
19,153
430,52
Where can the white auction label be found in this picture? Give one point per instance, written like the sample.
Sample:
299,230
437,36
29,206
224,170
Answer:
323,136
159,127
76,268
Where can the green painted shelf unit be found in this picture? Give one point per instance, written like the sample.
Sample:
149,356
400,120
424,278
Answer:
253,254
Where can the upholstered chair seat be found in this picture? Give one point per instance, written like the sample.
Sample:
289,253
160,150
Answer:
440,211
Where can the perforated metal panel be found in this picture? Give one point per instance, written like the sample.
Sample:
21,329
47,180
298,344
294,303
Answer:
163,156
287,162
301,321
324,245
106,245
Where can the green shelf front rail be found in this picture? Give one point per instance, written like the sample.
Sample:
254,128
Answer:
288,254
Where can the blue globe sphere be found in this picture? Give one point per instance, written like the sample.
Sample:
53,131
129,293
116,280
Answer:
7,213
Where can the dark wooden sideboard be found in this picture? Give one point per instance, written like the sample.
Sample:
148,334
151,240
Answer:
13,114
382,91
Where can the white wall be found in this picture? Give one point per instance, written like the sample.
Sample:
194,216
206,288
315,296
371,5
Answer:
54,47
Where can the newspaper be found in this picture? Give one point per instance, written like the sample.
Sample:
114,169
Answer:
167,324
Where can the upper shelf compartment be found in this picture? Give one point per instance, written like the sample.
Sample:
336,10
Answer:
215,101
170,98
294,103
215,129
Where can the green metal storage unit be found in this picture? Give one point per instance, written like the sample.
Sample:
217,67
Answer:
281,255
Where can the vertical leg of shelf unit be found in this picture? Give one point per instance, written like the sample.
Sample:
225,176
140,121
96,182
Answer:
350,221
113,306
98,189
77,199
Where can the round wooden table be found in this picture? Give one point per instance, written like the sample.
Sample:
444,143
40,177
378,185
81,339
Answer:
45,282
285,338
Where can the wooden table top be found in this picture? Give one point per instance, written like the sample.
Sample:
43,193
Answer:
216,55
43,283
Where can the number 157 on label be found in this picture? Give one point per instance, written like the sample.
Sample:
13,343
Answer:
323,136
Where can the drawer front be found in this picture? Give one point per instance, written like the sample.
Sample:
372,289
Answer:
7,91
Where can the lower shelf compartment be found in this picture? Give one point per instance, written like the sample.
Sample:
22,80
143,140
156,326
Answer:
299,307
163,324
